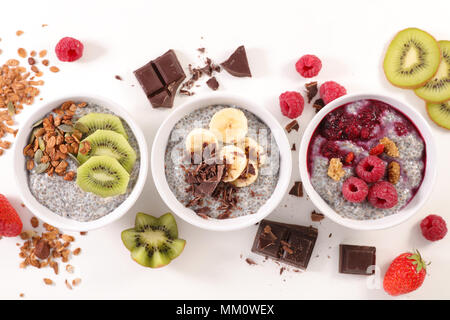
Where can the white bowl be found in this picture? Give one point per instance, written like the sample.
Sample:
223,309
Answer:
43,212
422,194
158,169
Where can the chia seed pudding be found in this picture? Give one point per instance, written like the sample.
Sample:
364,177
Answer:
66,198
251,198
357,127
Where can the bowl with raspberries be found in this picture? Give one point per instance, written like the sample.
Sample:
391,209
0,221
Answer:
367,161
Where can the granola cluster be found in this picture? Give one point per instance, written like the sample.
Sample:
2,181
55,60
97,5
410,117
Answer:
335,170
390,148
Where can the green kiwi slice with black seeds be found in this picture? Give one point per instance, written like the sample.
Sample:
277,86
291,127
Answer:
103,176
438,88
153,242
412,58
108,143
102,121
440,113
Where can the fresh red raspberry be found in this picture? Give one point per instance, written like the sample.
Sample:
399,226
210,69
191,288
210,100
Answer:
378,149
355,189
69,49
331,90
349,158
371,169
308,66
433,227
291,104
10,223
383,195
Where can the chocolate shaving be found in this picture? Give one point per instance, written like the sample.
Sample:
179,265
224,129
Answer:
212,83
311,90
293,125
251,262
297,189
318,105
293,147
316,216
197,73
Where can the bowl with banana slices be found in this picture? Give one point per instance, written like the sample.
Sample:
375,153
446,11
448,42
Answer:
221,162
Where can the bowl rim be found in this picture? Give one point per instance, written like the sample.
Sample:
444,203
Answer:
160,145
45,214
420,197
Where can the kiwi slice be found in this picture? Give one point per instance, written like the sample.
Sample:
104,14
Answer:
412,58
438,88
153,242
109,143
103,176
440,113
102,121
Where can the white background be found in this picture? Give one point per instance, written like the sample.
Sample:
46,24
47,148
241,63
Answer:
119,36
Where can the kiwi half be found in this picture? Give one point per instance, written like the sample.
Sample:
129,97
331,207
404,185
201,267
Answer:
109,143
438,88
103,176
412,58
102,121
153,242
440,113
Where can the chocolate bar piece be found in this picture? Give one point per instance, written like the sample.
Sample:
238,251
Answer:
356,259
287,243
293,125
160,79
237,63
297,189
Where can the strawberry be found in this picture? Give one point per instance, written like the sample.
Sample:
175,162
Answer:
10,223
405,274
378,149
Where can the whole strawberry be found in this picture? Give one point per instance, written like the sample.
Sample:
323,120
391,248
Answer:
10,223
405,274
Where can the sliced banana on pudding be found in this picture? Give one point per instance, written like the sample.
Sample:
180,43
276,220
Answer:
198,139
255,152
235,161
229,125
248,176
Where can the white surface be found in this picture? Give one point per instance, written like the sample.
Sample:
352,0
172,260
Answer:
349,37
419,198
158,159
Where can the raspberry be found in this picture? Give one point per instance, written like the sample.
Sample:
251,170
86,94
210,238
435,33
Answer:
69,49
371,169
378,149
331,90
383,195
355,189
433,227
291,104
308,66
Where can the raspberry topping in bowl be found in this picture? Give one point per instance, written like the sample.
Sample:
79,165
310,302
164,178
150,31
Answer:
355,190
383,195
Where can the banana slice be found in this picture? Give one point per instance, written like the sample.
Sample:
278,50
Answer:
235,160
229,125
255,152
246,179
198,138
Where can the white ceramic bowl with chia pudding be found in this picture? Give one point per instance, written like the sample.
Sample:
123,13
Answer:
254,204
403,124
79,210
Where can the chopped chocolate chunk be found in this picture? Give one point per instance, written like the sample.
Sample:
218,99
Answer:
293,125
201,50
291,244
251,262
318,105
311,90
118,77
293,147
357,259
297,189
160,79
237,63
316,216
203,210
282,270
212,83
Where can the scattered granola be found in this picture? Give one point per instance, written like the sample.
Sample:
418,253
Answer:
393,172
54,69
390,147
19,33
335,170
68,285
48,281
76,282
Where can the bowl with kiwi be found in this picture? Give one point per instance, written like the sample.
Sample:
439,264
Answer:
81,162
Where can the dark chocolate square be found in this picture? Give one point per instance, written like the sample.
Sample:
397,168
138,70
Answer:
356,259
301,243
268,244
148,79
169,68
